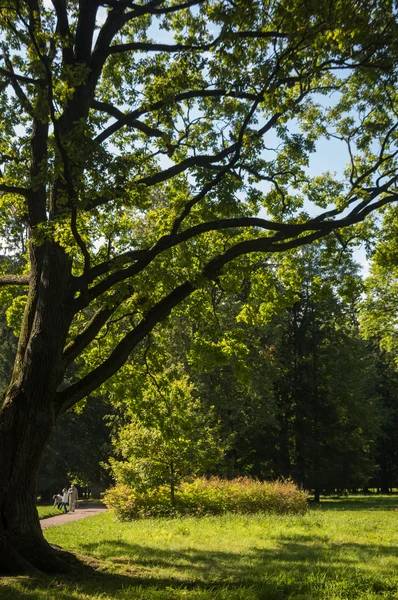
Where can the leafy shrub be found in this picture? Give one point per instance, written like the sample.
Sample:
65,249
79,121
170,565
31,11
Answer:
208,496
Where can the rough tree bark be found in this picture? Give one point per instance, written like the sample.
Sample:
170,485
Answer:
28,412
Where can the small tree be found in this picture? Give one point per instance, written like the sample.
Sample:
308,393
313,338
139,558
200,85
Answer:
171,439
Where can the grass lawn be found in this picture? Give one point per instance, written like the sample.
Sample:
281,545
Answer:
347,549
47,511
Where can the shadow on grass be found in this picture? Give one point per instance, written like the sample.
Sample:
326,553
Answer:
299,568
294,569
203,566
358,503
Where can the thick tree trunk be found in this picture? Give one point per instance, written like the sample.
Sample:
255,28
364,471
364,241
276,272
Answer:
27,417
24,432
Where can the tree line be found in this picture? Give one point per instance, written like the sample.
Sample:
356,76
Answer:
273,379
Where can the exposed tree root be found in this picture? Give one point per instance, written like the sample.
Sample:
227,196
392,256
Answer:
13,563
34,558
45,559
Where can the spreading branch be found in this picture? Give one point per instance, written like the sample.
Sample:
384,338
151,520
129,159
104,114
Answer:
87,335
64,31
14,81
15,189
68,397
19,280
150,8
14,77
131,118
161,310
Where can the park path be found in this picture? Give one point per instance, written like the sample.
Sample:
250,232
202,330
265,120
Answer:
84,511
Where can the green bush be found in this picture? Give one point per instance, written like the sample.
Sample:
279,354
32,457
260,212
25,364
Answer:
208,496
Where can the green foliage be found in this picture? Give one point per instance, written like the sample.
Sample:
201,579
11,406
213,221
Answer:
302,400
196,114
209,496
378,314
14,313
172,437
385,476
135,168
8,347
75,450
294,387
379,323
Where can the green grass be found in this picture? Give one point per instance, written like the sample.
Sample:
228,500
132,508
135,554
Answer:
47,511
345,550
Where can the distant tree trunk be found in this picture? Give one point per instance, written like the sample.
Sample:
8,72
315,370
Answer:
95,491
317,495
172,485
384,478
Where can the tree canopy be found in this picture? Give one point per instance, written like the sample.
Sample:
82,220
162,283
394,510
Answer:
133,156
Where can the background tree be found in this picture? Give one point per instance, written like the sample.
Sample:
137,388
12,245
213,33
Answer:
79,443
379,310
386,451
170,440
312,410
326,392
136,155
280,359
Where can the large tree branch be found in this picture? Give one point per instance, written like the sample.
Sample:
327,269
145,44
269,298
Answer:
85,30
32,27
283,231
258,35
122,122
85,337
114,22
192,161
68,397
71,395
175,7
15,77
154,47
21,280
162,309
15,189
79,240
80,104
150,8
14,81
132,117
64,31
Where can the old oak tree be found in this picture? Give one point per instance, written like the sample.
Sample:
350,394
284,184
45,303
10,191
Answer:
147,148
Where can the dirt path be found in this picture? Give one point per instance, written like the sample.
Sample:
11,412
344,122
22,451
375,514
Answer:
84,511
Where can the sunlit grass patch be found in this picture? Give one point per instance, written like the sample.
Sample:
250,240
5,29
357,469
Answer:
326,554
47,511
